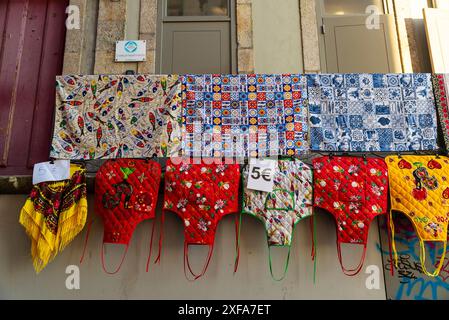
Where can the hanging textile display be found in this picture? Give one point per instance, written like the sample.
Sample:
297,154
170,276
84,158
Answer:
126,192
129,119
355,191
128,116
441,88
54,214
280,210
419,188
244,115
201,195
372,112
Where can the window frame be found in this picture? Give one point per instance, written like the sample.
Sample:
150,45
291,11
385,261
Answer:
163,18
167,18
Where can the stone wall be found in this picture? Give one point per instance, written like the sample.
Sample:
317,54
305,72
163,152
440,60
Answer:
245,49
79,55
110,28
148,27
310,41
92,48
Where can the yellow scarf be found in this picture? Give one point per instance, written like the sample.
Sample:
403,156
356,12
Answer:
419,188
53,214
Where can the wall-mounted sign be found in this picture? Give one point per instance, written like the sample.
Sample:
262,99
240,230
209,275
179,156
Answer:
131,51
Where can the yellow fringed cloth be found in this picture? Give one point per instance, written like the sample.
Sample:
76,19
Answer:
53,214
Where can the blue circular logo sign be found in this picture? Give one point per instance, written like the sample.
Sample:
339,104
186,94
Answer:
130,46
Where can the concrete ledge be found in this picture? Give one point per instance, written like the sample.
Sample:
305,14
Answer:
23,184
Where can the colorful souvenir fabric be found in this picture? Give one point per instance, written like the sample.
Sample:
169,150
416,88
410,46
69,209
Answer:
282,209
419,188
126,192
201,194
372,112
244,115
441,88
53,214
354,190
128,116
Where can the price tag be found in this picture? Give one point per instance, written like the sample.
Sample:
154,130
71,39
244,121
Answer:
56,171
261,172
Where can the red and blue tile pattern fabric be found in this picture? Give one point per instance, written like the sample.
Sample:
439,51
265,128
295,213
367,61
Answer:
244,115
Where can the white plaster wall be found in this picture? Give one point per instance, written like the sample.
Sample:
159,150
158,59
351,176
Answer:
252,281
442,4
277,36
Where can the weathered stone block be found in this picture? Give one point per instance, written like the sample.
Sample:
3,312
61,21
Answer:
244,26
148,16
150,38
105,63
72,63
108,32
245,61
74,40
148,67
112,10
310,41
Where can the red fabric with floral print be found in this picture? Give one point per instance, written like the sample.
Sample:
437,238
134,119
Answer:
126,193
201,194
355,191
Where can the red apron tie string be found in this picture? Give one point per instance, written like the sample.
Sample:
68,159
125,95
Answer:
237,242
356,270
151,246
161,238
119,266
89,226
187,263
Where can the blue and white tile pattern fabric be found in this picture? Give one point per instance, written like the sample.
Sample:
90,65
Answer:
372,112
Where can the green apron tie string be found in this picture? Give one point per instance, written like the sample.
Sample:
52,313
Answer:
286,263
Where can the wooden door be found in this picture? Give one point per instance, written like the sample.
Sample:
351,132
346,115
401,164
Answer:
352,47
32,35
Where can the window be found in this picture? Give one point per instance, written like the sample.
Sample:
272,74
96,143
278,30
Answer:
196,36
178,8
350,7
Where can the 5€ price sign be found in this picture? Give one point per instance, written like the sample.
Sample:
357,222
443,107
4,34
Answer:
261,172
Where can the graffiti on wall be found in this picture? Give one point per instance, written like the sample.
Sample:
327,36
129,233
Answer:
409,281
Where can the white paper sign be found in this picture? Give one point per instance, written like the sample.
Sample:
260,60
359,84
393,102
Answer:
131,51
56,171
261,172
